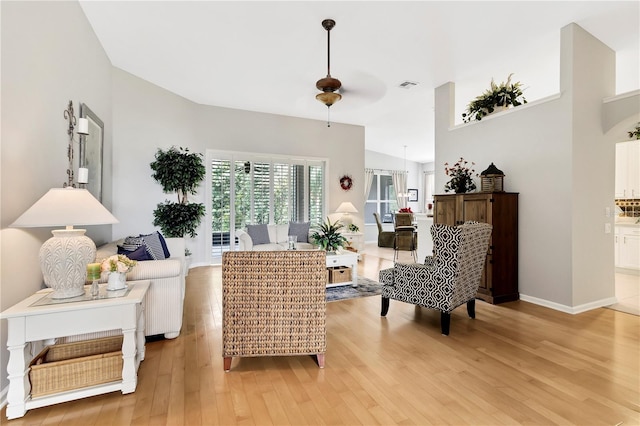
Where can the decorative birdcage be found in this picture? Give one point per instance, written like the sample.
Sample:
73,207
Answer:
492,180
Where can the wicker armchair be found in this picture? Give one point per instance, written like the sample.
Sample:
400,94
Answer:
448,279
273,303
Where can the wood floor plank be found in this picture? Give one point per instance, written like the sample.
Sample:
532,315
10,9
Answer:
516,363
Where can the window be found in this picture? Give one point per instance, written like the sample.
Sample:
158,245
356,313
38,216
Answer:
265,190
381,199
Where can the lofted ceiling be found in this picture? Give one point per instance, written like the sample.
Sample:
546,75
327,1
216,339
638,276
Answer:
266,56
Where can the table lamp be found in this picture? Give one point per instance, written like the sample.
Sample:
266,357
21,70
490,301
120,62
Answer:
346,208
64,257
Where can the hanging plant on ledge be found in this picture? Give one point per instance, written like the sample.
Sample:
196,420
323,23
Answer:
497,97
635,134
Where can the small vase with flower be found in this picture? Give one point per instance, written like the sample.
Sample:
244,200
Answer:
117,266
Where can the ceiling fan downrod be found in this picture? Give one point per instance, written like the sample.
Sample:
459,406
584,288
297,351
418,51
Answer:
328,85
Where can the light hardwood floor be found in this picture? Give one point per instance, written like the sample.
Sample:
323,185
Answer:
516,363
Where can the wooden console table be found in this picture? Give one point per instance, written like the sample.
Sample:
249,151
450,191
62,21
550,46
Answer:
29,323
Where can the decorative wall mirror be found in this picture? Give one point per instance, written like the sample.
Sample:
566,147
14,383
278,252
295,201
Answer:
91,151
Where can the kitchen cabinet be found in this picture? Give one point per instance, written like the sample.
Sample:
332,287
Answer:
627,184
500,209
627,241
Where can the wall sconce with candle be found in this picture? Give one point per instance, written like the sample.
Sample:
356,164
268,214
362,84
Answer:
83,130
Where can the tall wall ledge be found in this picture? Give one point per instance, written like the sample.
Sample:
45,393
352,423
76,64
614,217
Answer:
535,103
619,108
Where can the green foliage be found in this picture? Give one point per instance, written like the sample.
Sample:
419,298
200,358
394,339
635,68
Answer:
635,134
179,171
177,220
504,94
326,235
354,228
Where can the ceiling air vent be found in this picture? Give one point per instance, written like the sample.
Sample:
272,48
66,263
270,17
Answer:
407,84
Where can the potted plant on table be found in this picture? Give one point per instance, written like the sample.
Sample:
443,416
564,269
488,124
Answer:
327,237
461,177
497,97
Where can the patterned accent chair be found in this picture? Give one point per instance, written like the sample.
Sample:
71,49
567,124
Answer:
273,304
447,279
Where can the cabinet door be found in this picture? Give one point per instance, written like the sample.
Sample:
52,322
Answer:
629,254
616,249
445,210
633,170
476,207
621,170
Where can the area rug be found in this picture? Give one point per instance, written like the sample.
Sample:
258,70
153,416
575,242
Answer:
366,287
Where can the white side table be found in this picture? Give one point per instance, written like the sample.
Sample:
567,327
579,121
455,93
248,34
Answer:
29,323
346,258
356,240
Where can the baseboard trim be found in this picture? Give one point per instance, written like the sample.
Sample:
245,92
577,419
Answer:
573,310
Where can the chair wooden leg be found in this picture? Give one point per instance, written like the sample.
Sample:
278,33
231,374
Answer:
320,360
471,308
445,321
227,363
385,306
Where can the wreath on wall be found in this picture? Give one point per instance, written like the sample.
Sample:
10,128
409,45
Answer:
346,182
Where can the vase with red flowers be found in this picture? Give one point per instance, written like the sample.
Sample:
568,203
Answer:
461,177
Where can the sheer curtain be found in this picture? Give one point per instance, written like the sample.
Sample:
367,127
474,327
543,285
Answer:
399,179
429,188
368,180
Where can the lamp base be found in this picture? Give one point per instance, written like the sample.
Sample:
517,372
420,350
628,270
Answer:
346,220
64,259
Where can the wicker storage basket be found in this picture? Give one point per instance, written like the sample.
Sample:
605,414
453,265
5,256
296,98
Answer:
68,366
339,274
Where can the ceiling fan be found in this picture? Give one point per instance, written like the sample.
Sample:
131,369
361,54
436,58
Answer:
328,85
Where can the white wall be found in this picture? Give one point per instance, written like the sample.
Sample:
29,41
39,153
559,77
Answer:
50,55
147,117
554,154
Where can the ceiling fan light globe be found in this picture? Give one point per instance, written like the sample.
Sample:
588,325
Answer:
328,98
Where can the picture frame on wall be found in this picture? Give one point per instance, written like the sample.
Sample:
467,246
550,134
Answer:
91,149
413,194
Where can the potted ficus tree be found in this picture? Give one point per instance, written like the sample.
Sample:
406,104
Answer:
178,171
497,97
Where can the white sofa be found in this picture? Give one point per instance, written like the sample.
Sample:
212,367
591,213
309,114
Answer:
278,240
165,298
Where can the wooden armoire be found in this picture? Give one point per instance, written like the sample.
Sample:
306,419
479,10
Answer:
500,209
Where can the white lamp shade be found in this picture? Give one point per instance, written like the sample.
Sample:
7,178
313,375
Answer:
346,207
65,207
64,257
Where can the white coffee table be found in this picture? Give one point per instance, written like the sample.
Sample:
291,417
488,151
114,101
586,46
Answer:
346,258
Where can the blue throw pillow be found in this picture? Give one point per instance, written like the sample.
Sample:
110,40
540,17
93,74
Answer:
138,254
154,246
259,234
300,230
